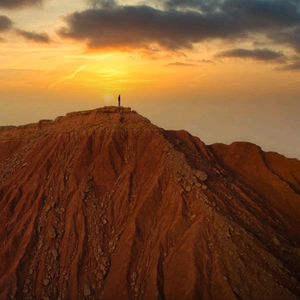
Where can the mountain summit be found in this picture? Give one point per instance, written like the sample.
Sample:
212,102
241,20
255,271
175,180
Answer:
103,204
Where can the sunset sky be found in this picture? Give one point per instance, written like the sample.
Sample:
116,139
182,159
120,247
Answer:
224,70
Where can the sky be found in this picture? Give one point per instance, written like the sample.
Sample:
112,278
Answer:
224,70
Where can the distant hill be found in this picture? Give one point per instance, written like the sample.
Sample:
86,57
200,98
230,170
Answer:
102,204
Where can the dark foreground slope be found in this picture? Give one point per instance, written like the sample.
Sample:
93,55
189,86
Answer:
104,205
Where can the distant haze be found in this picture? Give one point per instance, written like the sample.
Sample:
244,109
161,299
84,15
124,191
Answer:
193,65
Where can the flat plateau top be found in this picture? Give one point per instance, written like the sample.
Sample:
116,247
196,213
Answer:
103,117
105,109
114,109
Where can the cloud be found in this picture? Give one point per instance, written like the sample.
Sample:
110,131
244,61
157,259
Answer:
103,3
180,24
202,5
180,64
33,36
263,13
256,54
206,61
13,4
291,67
5,23
141,26
288,36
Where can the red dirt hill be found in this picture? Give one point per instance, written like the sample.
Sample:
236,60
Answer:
102,204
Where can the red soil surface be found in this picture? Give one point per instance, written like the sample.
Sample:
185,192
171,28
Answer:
102,204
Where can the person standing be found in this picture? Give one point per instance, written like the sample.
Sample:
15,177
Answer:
119,100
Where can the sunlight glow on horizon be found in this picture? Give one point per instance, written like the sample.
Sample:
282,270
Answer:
185,87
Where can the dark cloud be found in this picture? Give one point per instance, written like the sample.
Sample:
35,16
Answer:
257,54
289,37
263,13
180,64
291,67
275,10
140,26
12,4
103,3
5,23
33,36
202,5
182,23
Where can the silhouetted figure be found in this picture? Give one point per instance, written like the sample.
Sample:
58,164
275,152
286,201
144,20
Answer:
119,100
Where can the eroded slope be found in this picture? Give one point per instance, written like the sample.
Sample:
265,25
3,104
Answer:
104,205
